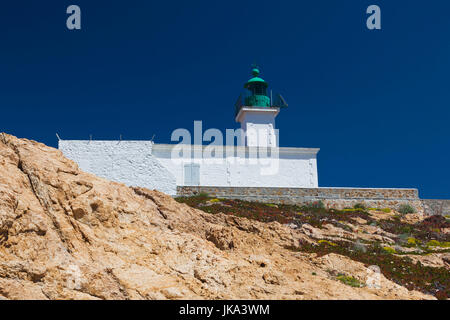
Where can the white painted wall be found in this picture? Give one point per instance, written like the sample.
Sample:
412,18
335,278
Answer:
141,163
297,168
129,162
259,126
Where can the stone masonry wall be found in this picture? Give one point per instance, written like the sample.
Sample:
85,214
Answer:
338,198
440,207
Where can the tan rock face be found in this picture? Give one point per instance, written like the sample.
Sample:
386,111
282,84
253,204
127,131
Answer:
66,234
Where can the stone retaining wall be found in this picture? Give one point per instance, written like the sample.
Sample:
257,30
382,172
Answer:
440,207
338,198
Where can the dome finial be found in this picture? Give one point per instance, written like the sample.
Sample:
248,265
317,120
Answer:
255,70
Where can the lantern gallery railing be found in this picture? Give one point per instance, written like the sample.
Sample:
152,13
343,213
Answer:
259,101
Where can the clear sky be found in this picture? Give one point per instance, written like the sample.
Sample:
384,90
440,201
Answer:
375,102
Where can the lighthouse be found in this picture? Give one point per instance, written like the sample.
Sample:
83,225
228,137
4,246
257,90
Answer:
256,113
256,162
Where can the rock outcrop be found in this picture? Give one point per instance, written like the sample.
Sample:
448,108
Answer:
66,234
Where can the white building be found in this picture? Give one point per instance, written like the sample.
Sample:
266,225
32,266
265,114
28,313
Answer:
256,162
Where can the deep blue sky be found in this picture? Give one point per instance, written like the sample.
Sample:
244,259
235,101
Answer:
377,103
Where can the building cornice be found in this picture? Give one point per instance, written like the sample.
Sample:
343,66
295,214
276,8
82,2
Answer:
285,150
169,147
255,110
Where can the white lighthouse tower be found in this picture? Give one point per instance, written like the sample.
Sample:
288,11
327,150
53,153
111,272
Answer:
256,113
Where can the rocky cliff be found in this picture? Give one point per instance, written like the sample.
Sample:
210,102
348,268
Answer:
66,234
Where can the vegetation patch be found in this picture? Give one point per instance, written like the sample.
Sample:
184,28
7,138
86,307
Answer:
316,205
353,209
313,213
350,281
393,264
413,242
435,222
435,243
389,250
385,210
327,243
203,195
401,270
406,209
359,206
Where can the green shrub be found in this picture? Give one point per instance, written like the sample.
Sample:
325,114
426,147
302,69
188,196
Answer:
327,242
350,281
315,205
359,206
413,241
435,243
360,247
389,250
385,210
353,210
406,208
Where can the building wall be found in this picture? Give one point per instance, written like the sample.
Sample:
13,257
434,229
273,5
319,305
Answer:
129,162
141,163
259,126
294,169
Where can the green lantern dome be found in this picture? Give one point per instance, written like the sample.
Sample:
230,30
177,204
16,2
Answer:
258,91
256,79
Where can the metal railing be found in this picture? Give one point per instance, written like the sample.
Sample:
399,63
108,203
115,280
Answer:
276,101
